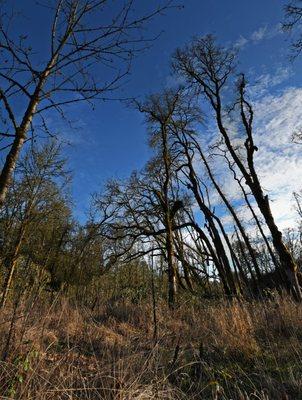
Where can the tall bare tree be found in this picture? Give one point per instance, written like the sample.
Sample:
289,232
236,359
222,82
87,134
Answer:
88,52
159,110
209,69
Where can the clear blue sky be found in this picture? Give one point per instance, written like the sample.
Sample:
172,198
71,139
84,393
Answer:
111,141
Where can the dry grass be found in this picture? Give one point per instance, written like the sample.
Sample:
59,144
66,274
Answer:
221,351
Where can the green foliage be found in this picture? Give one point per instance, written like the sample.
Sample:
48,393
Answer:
23,364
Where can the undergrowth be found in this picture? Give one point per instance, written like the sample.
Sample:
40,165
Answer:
237,350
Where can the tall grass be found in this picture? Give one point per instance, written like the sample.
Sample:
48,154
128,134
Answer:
206,351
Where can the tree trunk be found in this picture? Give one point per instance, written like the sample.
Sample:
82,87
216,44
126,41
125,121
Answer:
20,136
172,285
258,223
232,211
10,165
286,260
216,260
12,267
225,272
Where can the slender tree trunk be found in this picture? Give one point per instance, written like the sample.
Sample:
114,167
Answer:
241,277
224,262
258,223
231,250
216,260
227,271
172,284
12,267
20,135
181,256
232,211
10,165
153,291
287,262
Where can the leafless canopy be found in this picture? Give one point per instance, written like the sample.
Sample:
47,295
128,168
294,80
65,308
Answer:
88,52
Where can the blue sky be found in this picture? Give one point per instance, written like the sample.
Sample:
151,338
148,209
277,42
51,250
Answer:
110,141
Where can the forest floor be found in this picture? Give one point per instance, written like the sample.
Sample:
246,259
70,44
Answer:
210,351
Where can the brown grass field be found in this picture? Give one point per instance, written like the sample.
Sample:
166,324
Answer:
210,351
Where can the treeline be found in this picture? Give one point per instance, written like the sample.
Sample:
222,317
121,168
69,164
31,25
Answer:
176,210
175,219
177,206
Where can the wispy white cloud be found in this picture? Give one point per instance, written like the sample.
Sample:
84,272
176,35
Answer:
279,160
259,34
277,114
264,83
262,33
240,42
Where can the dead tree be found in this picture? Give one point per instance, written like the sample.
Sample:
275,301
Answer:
209,68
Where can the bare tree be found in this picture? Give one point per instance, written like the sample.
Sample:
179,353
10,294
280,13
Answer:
88,56
159,110
209,69
178,117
